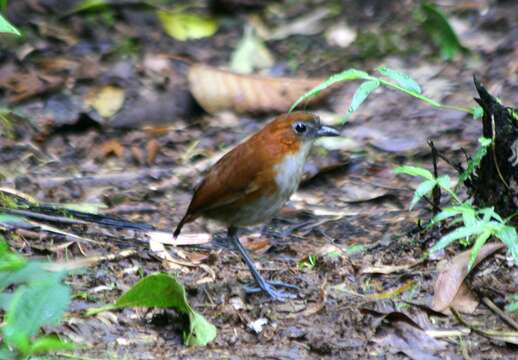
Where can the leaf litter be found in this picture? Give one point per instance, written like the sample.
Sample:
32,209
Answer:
350,200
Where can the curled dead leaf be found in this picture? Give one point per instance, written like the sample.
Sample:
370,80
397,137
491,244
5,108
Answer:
107,100
218,90
452,277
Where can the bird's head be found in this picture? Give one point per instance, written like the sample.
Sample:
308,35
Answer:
299,127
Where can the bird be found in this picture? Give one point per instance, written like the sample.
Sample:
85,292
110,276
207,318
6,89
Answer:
251,182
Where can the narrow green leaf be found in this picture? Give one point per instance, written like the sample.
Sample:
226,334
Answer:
475,160
444,182
6,27
361,94
442,34
50,343
424,188
461,232
346,75
403,79
479,242
449,212
509,236
414,171
89,5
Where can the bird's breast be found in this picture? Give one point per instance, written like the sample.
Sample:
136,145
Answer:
289,171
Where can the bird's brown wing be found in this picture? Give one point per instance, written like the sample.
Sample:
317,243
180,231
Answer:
237,174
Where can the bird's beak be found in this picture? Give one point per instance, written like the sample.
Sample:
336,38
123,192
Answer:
327,131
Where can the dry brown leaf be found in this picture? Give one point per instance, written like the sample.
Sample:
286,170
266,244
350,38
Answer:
451,278
152,149
465,300
388,269
218,90
256,243
107,100
22,85
111,147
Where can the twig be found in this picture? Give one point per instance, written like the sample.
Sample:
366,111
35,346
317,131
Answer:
491,305
490,334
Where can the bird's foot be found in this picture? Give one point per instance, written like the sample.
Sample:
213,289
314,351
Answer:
269,287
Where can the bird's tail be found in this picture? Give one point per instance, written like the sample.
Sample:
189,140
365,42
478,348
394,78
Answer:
179,227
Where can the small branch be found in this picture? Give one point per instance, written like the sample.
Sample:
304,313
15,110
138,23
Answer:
500,313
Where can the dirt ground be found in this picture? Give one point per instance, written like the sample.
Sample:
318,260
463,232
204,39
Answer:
351,212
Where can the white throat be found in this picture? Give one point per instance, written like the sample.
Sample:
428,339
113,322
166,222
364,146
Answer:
289,172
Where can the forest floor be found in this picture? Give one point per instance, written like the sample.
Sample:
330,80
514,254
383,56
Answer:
346,238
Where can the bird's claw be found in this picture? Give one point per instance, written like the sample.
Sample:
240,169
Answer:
269,288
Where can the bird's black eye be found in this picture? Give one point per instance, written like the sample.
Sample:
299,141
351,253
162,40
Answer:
300,128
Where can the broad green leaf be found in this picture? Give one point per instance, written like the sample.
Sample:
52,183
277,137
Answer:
459,233
6,27
479,242
201,332
41,303
489,213
475,160
251,54
509,236
404,80
163,291
353,249
186,26
361,94
424,188
50,343
442,34
414,171
30,271
346,75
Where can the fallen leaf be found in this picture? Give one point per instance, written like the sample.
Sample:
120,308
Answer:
182,239
387,269
465,300
111,147
399,333
152,149
186,26
107,100
452,277
218,90
251,54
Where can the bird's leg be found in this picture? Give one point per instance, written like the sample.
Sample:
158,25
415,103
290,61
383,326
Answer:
266,286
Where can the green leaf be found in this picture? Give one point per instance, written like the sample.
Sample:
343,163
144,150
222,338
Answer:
346,75
477,112
163,291
6,27
459,233
509,236
50,343
475,160
41,303
404,80
444,182
449,212
186,26
361,94
437,26
414,171
424,188
201,331
481,240
90,5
